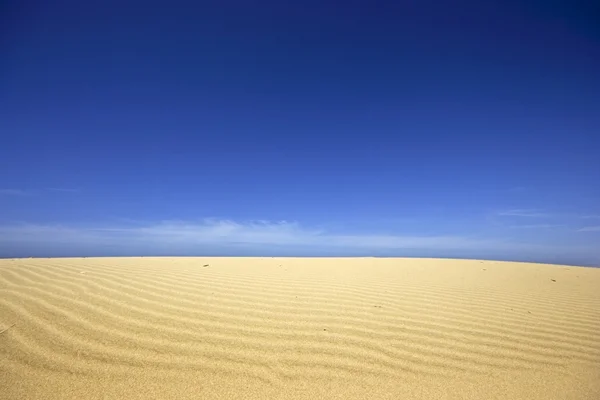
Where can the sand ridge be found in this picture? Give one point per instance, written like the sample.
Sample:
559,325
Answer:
140,328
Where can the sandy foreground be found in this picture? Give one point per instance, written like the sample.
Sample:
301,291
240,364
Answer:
292,328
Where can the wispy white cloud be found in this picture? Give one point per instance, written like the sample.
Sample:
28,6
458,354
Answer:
21,192
523,218
63,190
265,237
527,213
223,232
590,229
536,226
13,192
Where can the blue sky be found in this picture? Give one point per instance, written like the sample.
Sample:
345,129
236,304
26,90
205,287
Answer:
365,128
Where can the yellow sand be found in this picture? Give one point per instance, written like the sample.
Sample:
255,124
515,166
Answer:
291,328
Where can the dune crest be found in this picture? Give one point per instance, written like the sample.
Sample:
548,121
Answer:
235,328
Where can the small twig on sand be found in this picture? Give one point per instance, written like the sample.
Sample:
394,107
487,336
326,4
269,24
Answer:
5,329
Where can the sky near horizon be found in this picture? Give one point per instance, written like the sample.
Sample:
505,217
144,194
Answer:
469,129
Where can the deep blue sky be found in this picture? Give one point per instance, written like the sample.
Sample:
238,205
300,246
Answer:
460,129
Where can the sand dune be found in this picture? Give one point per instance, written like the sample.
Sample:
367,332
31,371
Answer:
268,328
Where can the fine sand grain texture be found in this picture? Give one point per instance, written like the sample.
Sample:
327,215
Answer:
291,328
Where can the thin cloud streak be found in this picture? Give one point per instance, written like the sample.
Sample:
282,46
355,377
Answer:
536,226
63,190
21,192
13,192
523,213
590,229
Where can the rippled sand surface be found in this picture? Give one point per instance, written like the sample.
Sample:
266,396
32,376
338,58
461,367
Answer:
297,328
